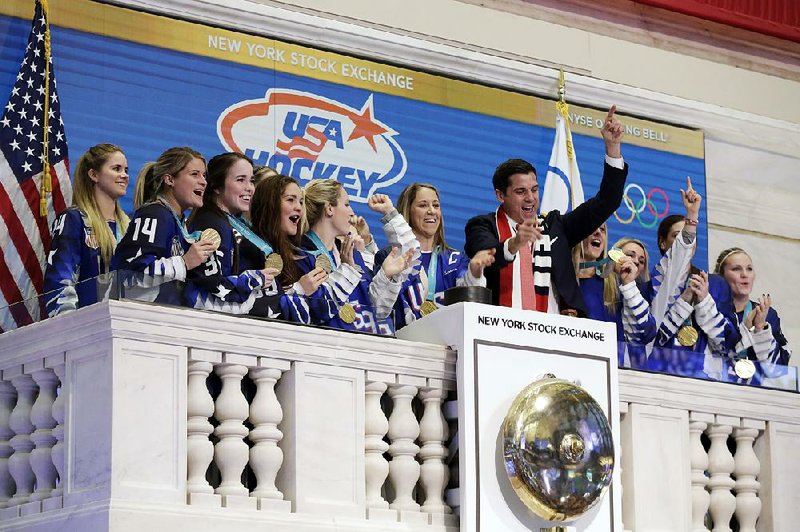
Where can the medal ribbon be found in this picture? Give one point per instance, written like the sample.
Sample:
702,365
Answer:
321,248
432,274
742,355
189,237
246,231
594,263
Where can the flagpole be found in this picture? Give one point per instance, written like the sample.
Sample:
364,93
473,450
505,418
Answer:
47,185
563,109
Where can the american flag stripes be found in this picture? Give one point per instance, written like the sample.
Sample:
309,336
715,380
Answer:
25,234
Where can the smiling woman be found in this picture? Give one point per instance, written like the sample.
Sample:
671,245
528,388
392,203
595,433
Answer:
762,341
443,266
157,250
220,285
85,235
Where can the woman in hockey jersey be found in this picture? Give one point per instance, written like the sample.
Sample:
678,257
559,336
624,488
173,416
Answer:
693,309
441,267
157,250
273,239
85,235
762,341
220,284
357,299
612,291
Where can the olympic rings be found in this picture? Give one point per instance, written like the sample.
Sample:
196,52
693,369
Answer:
636,208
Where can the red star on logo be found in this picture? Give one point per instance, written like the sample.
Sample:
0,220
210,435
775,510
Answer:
365,127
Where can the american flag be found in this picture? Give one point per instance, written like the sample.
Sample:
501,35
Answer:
25,234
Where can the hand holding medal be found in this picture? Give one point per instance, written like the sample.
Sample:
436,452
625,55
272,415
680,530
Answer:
696,290
628,271
274,261
312,280
212,236
201,250
269,275
323,262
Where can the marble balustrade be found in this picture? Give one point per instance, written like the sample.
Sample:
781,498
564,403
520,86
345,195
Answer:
129,416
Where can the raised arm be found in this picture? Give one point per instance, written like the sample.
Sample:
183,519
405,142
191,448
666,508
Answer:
588,216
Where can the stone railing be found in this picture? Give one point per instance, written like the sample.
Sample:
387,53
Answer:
165,418
130,416
696,454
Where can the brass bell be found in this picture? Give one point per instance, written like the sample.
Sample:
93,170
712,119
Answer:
558,449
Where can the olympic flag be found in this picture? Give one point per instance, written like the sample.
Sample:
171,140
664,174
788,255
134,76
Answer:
563,190
33,163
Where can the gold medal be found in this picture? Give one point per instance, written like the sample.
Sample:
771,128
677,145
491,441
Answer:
427,307
324,262
687,336
616,255
347,313
274,260
744,368
211,235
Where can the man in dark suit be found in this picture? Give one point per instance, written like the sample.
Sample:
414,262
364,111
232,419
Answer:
545,245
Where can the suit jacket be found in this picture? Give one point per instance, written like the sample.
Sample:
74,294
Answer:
565,230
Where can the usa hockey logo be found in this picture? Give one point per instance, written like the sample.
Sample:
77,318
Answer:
308,136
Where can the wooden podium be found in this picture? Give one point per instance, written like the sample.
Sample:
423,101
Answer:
500,351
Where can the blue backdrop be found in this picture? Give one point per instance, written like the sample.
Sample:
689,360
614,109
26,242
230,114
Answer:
147,99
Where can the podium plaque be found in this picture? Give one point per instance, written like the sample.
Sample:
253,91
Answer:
500,352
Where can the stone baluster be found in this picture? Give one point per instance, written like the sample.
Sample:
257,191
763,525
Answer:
747,468
403,431
42,418
621,466
375,428
19,463
59,414
8,397
721,465
452,493
433,433
698,422
199,407
266,458
231,410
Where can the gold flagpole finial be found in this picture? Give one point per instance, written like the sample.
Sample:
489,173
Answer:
562,86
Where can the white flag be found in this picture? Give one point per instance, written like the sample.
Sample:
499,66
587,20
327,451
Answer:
562,186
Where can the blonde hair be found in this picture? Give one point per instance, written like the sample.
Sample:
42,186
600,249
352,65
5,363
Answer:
611,282
319,193
83,190
406,201
724,256
150,180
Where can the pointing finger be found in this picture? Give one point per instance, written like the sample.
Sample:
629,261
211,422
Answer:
610,115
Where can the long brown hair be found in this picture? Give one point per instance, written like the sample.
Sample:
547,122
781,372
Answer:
406,201
265,213
83,188
216,172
